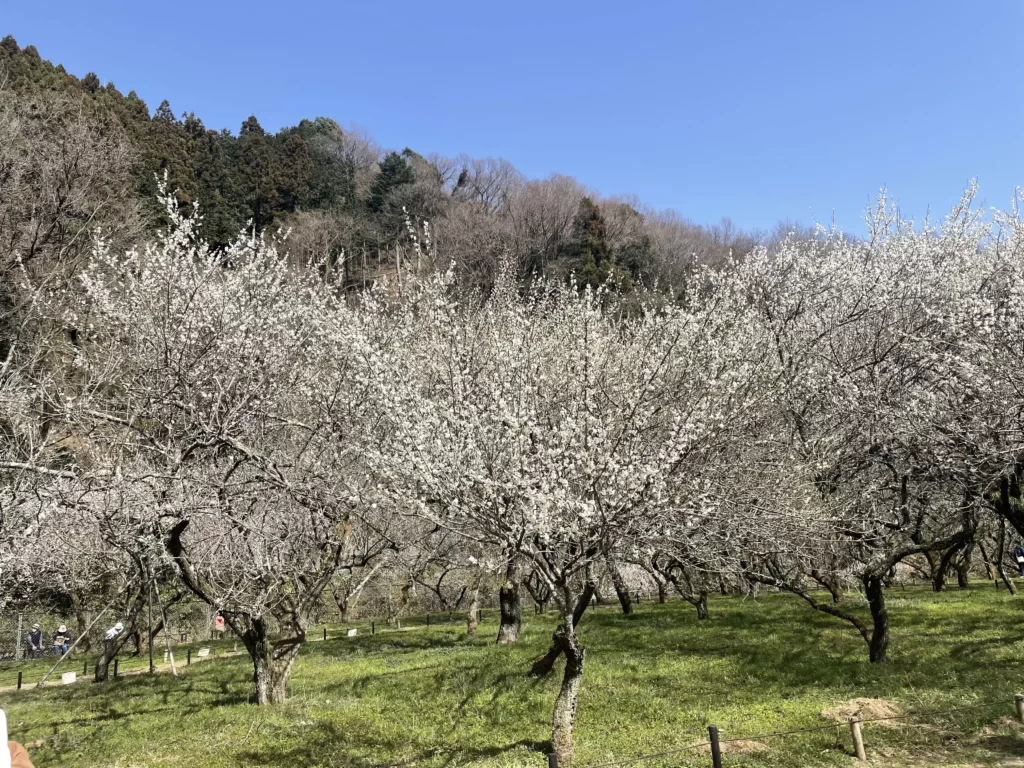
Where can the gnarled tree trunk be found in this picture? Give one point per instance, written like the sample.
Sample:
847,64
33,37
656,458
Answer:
621,588
878,644
272,664
546,663
563,720
508,601
702,605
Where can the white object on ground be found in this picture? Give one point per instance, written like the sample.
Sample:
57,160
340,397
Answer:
353,632
69,677
202,653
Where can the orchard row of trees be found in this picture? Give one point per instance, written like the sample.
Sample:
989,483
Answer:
236,424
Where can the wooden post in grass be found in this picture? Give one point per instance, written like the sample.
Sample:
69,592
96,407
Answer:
1018,700
188,657
325,634
716,748
373,628
115,667
858,740
428,618
85,668
552,761
19,640
19,680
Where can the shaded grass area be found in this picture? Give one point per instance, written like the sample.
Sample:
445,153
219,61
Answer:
653,682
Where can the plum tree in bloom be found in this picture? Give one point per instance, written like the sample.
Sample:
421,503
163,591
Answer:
232,378
850,322
554,427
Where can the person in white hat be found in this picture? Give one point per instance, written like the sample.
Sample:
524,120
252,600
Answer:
114,631
61,640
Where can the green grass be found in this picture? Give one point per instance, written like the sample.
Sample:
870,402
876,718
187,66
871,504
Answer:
653,682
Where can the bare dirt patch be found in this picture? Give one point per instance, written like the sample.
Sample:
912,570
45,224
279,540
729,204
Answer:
738,747
865,709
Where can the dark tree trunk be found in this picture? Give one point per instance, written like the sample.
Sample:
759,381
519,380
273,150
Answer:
702,606
621,588
1001,562
878,644
110,650
508,601
830,583
990,574
662,592
83,617
936,571
272,665
1009,489
538,591
963,568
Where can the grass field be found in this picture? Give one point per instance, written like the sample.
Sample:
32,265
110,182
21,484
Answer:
654,681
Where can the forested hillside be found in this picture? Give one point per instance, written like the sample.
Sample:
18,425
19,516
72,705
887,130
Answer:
77,153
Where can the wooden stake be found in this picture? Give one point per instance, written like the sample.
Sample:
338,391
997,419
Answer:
1019,701
858,740
716,748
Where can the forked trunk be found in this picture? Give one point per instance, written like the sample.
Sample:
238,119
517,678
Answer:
508,601
963,569
270,677
272,665
546,663
878,644
621,588
702,606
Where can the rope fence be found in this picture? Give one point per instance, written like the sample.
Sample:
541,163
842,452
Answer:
29,671
713,742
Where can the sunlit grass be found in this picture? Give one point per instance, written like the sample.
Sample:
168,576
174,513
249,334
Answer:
654,681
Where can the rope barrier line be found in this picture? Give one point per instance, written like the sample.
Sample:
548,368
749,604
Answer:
776,734
668,753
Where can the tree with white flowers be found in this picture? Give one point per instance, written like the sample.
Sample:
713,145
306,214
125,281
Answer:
554,427
229,383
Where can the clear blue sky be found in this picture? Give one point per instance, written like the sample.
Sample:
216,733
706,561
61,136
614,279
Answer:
756,110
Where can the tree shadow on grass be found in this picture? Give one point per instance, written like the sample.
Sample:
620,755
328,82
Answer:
328,745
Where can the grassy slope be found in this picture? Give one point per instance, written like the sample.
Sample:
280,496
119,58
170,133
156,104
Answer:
432,697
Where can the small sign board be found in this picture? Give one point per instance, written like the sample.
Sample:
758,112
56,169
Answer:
69,677
202,653
353,632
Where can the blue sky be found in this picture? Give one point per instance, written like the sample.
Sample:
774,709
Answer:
756,110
